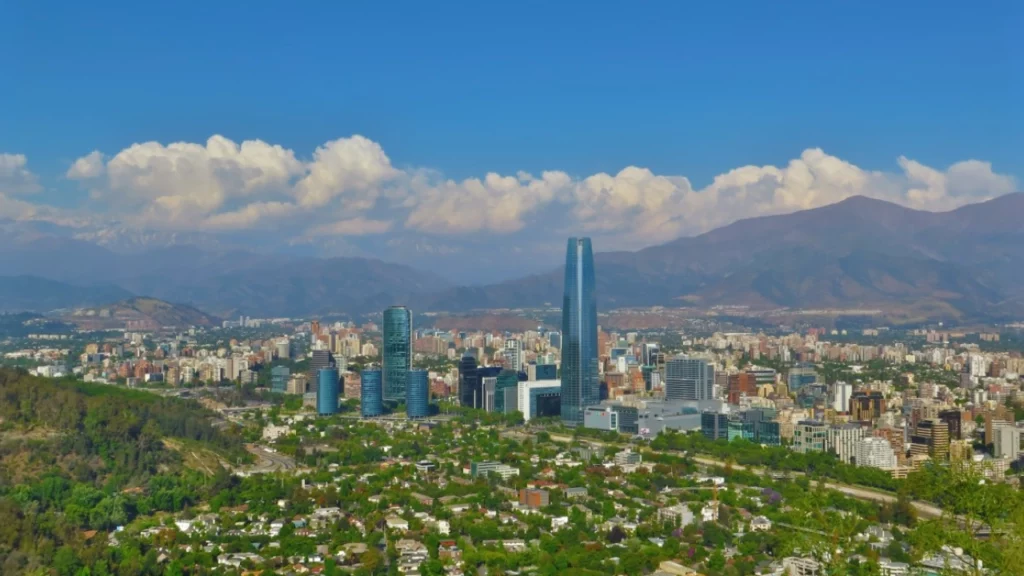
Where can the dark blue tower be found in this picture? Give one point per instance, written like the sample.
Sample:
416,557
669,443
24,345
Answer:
469,381
371,394
417,394
327,390
580,387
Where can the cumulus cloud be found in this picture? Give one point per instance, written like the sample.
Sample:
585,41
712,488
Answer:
349,187
15,177
180,184
496,203
87,167
348,168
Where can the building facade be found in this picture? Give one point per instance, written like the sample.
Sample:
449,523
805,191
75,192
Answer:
279,376
689,379
714,425
580,386
514,355
327,391
469,381
506,380
397,351
541,372
1006,441
540,399
318,360
842,439
875,452
371,403
809,436
417,394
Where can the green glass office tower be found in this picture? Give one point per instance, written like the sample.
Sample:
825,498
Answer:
580,386
397,352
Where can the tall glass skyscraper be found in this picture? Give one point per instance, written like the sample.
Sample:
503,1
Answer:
469,381
417,395
397,351
327,391
580,387
371,402
507,380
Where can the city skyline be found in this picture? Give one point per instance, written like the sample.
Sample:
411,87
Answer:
463,288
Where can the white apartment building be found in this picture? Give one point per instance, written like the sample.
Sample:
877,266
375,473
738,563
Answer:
843,439
1006,441
875,452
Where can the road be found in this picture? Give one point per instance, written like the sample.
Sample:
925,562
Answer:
924,509
267,461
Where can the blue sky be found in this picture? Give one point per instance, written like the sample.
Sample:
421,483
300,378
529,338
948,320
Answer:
457,90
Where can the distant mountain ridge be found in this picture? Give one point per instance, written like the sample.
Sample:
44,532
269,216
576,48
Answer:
35,294
860,252
857,253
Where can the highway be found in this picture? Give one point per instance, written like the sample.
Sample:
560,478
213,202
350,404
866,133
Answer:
267,461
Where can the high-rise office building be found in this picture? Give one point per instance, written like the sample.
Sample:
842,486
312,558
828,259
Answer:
954,422
283,348
1006,441
740,385
506,380
580,386
842,439
318,360
649,353
371,385
328,389
469,381
931,437
555,340
397,351
866,406
840,396
801,375
417,394
689,379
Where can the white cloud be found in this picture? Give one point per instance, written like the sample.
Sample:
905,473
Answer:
351,169
968,181
349,187
87,167
496,203
351,227
180,184
249,215
15,177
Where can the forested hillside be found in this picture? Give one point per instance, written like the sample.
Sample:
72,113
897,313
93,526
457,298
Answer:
76,457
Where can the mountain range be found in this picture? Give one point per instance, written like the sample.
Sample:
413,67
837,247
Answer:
858,253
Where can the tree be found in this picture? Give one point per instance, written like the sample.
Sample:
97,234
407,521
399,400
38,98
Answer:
65,562
716,561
